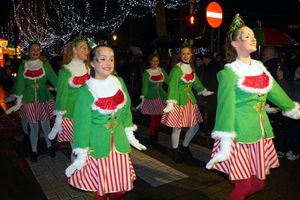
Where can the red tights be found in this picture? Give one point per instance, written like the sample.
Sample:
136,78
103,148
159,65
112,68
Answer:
111,196
245,188
154,123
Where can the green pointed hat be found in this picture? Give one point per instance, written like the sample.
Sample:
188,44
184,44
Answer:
91,41
155,53
185,44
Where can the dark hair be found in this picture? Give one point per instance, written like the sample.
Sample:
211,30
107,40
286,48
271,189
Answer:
33,44
94,54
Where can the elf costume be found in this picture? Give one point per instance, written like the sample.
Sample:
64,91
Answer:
243,145
153,97
103,132
70,78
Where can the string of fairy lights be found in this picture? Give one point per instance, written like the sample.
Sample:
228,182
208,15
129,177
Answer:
56,21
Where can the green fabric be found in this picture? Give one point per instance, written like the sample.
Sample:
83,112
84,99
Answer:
236,109
66,95
179,90
150,89
89,130
24,85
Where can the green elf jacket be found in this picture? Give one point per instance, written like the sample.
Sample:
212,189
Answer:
242,99
181,84
67,88
31,84
101,118
152,84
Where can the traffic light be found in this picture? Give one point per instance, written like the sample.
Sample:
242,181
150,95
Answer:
191,21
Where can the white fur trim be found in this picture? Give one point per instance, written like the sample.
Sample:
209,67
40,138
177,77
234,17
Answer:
256,68
96,92
77,151
294,113
219,135
171,101
57,112
155,73
40,66
132,128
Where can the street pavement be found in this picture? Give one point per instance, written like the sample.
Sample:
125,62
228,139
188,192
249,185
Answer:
158,177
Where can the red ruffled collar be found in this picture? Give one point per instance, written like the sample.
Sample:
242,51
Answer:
257,82
80,80
110,103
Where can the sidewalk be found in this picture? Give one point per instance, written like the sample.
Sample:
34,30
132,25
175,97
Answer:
158,177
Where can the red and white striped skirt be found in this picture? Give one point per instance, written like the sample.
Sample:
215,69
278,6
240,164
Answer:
66,134
182,116
111,174
248,159
22,113
38,111
153,106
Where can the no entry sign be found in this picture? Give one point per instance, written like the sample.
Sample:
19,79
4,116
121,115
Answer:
214,14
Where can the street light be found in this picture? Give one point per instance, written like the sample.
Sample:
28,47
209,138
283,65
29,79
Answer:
114,37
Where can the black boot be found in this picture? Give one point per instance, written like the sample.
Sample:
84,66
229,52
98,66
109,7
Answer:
175,156
186,151
33,157
156,135
51,152
152,138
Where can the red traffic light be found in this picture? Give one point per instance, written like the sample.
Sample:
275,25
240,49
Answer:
191,20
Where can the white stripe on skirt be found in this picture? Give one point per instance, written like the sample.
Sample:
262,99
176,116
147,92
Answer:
248,159
67,131
114,173
183,116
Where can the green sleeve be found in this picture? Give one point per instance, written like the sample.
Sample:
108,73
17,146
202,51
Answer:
280,98
62,90
20,81
166,79
197,85
51,75
226,101
145,84
174,83
127,116
82,118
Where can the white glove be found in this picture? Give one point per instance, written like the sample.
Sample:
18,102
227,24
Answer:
141,104
224,152
15,107
9,98
133,141
57,125
270,110
205,93
51,88
169,108
79,162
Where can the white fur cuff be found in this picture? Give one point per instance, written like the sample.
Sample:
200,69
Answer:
220,135
57,112
294,113
171,101
132,128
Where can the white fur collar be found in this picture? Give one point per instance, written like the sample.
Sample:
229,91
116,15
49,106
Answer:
34,65
254,69
105,88
186,70
155,72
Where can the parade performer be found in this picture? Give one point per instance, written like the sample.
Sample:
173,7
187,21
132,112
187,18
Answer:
103,132
153,95
182,109
71,76
32,91
243,146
